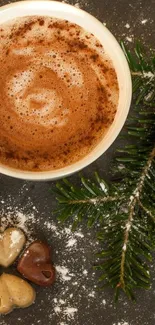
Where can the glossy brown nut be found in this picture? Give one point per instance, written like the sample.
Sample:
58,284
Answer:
35,264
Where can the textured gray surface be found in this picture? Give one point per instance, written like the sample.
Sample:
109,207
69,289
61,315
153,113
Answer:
15,195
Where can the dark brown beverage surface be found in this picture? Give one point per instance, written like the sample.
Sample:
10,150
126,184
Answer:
58,93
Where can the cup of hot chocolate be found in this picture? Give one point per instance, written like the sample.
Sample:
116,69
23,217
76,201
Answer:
65,89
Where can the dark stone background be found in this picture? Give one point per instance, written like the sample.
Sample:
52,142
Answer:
116,14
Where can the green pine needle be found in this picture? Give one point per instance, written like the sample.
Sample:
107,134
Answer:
125,208
143,74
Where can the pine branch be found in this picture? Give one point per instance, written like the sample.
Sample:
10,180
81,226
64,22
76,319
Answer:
146,210
143,74
125,209
134,201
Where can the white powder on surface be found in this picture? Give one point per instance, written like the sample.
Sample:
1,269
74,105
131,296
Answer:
144,21
81,4
103,187
51,227
74,268
148,75
121,166
128,226
15,217
85,272
57,309
92,294
124,247
129,39
21,220
71,242
63,273
127,26
15,237
78,234
70,311
62,302
121,323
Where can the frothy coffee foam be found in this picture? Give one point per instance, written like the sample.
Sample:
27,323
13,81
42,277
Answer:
58,93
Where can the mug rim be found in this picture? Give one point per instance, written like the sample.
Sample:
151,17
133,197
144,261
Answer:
67,9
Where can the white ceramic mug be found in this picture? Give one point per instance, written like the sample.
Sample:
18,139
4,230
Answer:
111,47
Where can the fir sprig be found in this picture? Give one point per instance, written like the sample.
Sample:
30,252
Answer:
125,209
143,74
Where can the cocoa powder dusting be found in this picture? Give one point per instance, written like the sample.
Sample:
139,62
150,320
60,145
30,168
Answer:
58,93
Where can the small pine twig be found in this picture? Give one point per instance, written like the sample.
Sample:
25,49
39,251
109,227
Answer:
96,200
134,200
146,210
